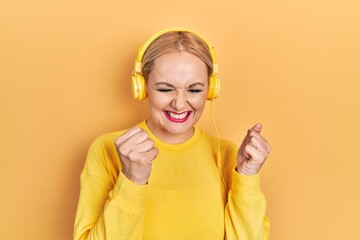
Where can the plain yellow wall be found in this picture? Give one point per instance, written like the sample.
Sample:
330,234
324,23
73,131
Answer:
65,71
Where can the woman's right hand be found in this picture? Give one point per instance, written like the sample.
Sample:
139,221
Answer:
136,151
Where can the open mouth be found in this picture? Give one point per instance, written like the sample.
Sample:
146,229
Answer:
177,117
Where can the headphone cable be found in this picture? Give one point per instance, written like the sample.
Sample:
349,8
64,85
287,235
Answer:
218,155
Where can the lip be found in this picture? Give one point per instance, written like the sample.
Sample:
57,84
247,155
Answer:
176,120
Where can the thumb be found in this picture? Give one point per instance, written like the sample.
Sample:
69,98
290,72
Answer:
257,127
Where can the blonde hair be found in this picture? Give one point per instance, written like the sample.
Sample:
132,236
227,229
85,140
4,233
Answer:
177,41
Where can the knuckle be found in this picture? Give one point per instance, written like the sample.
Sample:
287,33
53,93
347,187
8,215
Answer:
118,141
252,132
142,131
123,149
143,134
133,130
137,128
156,152
133,156
152,154
150,143
142,159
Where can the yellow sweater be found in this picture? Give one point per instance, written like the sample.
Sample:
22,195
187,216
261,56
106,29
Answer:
185,197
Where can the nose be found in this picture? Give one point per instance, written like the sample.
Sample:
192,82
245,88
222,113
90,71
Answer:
179,102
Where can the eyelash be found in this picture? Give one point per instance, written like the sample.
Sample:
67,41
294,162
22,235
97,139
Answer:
195,90
165,90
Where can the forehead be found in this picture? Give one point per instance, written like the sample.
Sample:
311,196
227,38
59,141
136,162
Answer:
179,68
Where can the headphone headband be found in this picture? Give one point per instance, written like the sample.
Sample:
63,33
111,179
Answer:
144,47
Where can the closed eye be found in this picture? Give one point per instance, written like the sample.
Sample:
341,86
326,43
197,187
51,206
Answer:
195,90
164,90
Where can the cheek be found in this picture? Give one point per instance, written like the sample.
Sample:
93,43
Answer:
199,103
157,102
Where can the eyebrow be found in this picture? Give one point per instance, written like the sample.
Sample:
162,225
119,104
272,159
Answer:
170,85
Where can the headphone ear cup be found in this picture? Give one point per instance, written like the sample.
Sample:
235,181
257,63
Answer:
138,86
214,87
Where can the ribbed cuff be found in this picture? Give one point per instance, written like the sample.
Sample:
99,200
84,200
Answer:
245,186
127,194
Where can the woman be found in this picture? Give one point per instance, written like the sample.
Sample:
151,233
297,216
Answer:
165,178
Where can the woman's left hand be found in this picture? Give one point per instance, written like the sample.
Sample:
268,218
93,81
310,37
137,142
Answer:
253,152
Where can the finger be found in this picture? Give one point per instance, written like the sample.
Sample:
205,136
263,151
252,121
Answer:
257,144
247,156
127,135
144,146
260,144
152,154
143,157
137,138
130,144
257,127
264,143
254,153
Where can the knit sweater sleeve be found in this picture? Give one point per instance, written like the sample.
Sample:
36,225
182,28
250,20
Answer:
107,208
245,211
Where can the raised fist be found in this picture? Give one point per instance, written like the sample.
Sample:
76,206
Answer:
136,151
253,152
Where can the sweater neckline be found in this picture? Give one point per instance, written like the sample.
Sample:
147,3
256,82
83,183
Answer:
173,147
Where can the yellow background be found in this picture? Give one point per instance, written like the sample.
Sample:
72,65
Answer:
65,71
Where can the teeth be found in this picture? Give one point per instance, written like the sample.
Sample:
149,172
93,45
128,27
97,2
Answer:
178,116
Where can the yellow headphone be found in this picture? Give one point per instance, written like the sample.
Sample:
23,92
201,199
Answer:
138,81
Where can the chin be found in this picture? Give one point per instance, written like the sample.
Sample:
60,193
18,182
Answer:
172,132
177,130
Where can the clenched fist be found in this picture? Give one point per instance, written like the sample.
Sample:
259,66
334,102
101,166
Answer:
136,151
253,152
